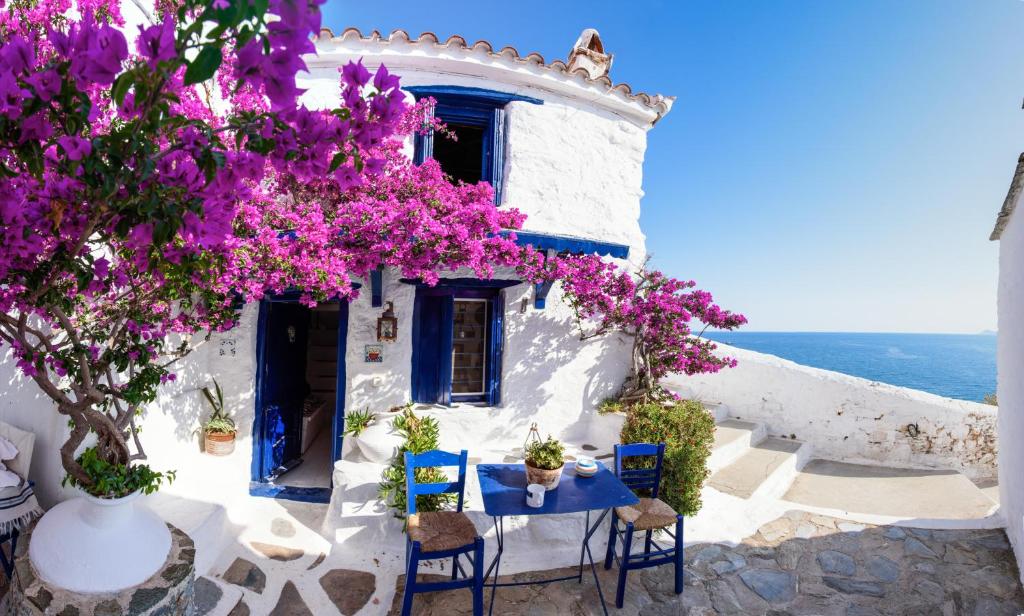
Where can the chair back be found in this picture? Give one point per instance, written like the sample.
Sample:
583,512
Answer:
433,459
640,478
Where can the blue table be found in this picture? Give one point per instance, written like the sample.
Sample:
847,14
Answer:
503,487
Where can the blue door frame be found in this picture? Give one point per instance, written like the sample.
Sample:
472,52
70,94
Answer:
261,447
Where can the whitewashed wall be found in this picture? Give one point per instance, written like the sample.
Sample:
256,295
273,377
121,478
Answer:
852,419
573,167
1011,381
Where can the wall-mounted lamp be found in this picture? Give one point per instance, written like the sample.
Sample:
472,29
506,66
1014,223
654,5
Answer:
387,324
291,334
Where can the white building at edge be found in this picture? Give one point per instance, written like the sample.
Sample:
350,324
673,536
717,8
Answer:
560,142
1009,231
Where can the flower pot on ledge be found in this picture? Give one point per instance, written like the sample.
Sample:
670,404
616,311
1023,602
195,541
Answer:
548,478
93,545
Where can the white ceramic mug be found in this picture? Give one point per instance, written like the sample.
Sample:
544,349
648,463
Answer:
535,495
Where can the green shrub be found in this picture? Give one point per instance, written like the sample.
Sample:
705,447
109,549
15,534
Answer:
116,480
990,399
357,421
421,434
547,455
610,405
688,430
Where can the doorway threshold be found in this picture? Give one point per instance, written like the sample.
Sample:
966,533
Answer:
292,493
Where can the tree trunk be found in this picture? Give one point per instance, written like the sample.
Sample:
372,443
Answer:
111,443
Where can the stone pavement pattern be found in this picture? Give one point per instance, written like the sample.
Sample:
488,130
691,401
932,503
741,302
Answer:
800,563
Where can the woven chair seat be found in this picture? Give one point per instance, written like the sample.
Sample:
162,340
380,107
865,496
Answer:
438,531
648,514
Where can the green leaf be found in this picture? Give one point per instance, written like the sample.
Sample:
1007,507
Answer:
203,66
337,160
121,86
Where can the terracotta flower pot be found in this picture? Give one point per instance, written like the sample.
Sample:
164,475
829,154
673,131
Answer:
218,444
547,478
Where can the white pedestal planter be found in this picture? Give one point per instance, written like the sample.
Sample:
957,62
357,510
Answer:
378,442
94,545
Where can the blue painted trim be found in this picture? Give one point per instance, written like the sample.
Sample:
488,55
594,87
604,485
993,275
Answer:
340,387
540,294
446,284
257,424
496,348
292,493
464,93
569,244
377,288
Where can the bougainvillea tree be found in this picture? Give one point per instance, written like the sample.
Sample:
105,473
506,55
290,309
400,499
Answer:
658,312
140,196
151,179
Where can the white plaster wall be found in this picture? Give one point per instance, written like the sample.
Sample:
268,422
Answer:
851,419
548,374
571,166
1011,381
575,172
574,167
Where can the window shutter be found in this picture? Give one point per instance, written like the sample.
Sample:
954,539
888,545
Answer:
432,349
495,350
498,153
423,145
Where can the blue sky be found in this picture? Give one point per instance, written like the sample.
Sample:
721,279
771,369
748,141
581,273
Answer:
828,166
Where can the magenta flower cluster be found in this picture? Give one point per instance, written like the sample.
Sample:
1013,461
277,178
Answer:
151,181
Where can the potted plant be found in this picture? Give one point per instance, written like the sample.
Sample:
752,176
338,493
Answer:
219,430
544,462
355,423
104,520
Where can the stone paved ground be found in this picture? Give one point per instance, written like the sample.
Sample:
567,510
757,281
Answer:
798,564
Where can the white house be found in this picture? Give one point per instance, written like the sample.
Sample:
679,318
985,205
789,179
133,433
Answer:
1009,231
558,140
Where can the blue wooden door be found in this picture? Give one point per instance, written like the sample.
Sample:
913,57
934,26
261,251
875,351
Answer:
432,348
282,384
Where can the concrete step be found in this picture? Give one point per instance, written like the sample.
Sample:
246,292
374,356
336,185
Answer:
206,523
733,438
766,470
899,492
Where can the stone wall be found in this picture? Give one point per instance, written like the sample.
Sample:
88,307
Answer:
169,592
852,419
1011,380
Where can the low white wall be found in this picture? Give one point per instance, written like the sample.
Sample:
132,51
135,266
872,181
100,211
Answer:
852,419
1011,380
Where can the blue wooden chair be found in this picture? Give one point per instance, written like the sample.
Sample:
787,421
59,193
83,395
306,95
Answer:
433,535
648,515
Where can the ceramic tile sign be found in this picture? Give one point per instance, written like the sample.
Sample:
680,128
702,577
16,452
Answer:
374,353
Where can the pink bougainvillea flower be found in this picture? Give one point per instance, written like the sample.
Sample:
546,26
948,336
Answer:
157,42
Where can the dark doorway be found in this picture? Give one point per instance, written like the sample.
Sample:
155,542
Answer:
299,398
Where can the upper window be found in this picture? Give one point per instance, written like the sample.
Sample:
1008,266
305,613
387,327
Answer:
477,117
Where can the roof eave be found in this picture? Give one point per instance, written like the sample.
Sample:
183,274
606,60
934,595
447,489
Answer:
1010,203
480,60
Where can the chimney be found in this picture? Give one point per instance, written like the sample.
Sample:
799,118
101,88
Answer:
588,54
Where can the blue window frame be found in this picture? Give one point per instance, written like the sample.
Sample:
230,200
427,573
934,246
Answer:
452,321
477,116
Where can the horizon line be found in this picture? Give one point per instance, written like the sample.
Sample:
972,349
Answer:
984,332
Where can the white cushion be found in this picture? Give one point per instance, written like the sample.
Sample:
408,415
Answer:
7,449
23,441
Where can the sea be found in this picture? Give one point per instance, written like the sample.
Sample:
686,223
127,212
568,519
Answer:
959,366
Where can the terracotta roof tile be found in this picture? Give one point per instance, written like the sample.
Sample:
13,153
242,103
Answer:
656,102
